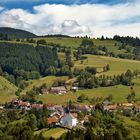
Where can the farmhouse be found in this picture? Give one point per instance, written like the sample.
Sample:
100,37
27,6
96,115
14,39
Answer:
58,90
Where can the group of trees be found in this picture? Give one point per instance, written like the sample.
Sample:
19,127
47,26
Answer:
20,125
134,42
24,62
128,40
87,79
87,46
3,36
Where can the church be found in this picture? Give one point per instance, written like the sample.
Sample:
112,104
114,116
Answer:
69,120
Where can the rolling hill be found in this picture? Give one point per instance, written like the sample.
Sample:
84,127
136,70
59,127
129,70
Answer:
16,33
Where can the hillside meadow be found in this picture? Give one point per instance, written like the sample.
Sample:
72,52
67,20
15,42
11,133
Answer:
117,65
74,43
119,93
7,90
45,80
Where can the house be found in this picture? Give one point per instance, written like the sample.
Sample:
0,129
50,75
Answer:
37,106
84,108
53,120
44,91
69,120
110,108
1,107
137,108
58,90
106,102
128,104
50,107
24,105
56,114
75,88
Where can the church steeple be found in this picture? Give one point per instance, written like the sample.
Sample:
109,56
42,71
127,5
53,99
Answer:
68,108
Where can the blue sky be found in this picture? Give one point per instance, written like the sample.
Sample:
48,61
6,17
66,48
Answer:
28,4
73,17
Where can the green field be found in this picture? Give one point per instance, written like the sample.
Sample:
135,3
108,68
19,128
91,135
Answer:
7,90
119,93
54,132
117,65
68,42
45,80
111,45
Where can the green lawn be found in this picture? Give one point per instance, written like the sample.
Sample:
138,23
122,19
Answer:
7,90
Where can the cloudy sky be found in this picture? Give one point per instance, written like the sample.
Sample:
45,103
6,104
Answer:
73,17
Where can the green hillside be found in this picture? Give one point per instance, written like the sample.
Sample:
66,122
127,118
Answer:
7,90
16,33
112,45
118,92
117,65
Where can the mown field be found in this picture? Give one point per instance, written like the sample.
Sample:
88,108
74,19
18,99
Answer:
54,132
119,93
7,90
117,65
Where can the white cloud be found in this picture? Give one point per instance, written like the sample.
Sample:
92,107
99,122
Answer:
90,19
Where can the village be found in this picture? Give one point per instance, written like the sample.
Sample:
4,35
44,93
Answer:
67,116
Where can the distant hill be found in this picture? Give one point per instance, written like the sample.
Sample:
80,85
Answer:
56,35
16,33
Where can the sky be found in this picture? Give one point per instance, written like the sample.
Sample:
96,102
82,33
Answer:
73,17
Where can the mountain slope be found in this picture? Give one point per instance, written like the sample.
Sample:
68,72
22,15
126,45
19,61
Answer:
7,90
16,33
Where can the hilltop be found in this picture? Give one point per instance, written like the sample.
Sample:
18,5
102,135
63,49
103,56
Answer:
16,33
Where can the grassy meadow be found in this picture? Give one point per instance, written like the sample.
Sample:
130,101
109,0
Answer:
117,65
119,93
7,90
45,80
111,45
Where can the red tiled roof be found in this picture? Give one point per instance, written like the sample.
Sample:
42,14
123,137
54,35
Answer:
24,104
52,119
37,106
